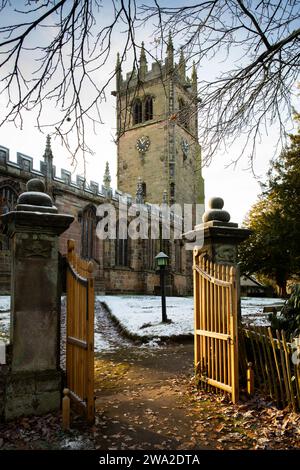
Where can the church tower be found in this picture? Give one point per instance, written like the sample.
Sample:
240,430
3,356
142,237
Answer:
157,131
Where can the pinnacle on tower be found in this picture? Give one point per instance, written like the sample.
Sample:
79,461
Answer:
106,177
194,77
48,155
118,71
47,165
170,46
170,54
143,62
182,66
118,64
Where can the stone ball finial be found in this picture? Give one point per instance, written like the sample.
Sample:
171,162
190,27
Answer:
215,211
35,184
216,203
35,198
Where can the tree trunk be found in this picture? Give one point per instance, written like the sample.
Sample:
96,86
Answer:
282,289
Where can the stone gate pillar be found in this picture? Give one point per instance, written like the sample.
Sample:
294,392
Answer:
33,383
220,236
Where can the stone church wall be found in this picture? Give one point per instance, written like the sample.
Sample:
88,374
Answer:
72,197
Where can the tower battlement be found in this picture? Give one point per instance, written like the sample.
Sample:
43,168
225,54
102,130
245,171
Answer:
158,69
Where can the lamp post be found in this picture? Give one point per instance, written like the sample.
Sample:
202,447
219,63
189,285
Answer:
162,261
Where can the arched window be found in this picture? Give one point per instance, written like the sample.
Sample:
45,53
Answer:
137,113
88,232
152,249
121,250
8,200
165,247
178,256
172,191
148,108
183,115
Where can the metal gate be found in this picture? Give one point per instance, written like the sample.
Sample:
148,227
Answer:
215,310
80,333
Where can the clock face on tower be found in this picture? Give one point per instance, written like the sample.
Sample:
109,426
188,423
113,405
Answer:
143,144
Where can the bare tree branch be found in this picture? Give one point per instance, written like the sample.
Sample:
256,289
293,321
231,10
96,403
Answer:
256,90
55,51
67,44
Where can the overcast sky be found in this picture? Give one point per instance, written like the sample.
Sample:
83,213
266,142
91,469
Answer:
235,183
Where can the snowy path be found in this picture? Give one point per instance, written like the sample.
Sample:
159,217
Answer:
107,335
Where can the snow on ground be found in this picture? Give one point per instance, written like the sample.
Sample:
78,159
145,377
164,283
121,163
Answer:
4,317
76,443
255,305
252,310
101,343
4,303
141,315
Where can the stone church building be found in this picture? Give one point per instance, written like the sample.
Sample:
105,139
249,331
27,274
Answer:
158,160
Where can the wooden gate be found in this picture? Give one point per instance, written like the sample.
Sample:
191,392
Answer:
80,333
215,310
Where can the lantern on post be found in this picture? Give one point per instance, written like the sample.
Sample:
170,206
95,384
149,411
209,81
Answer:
162,261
